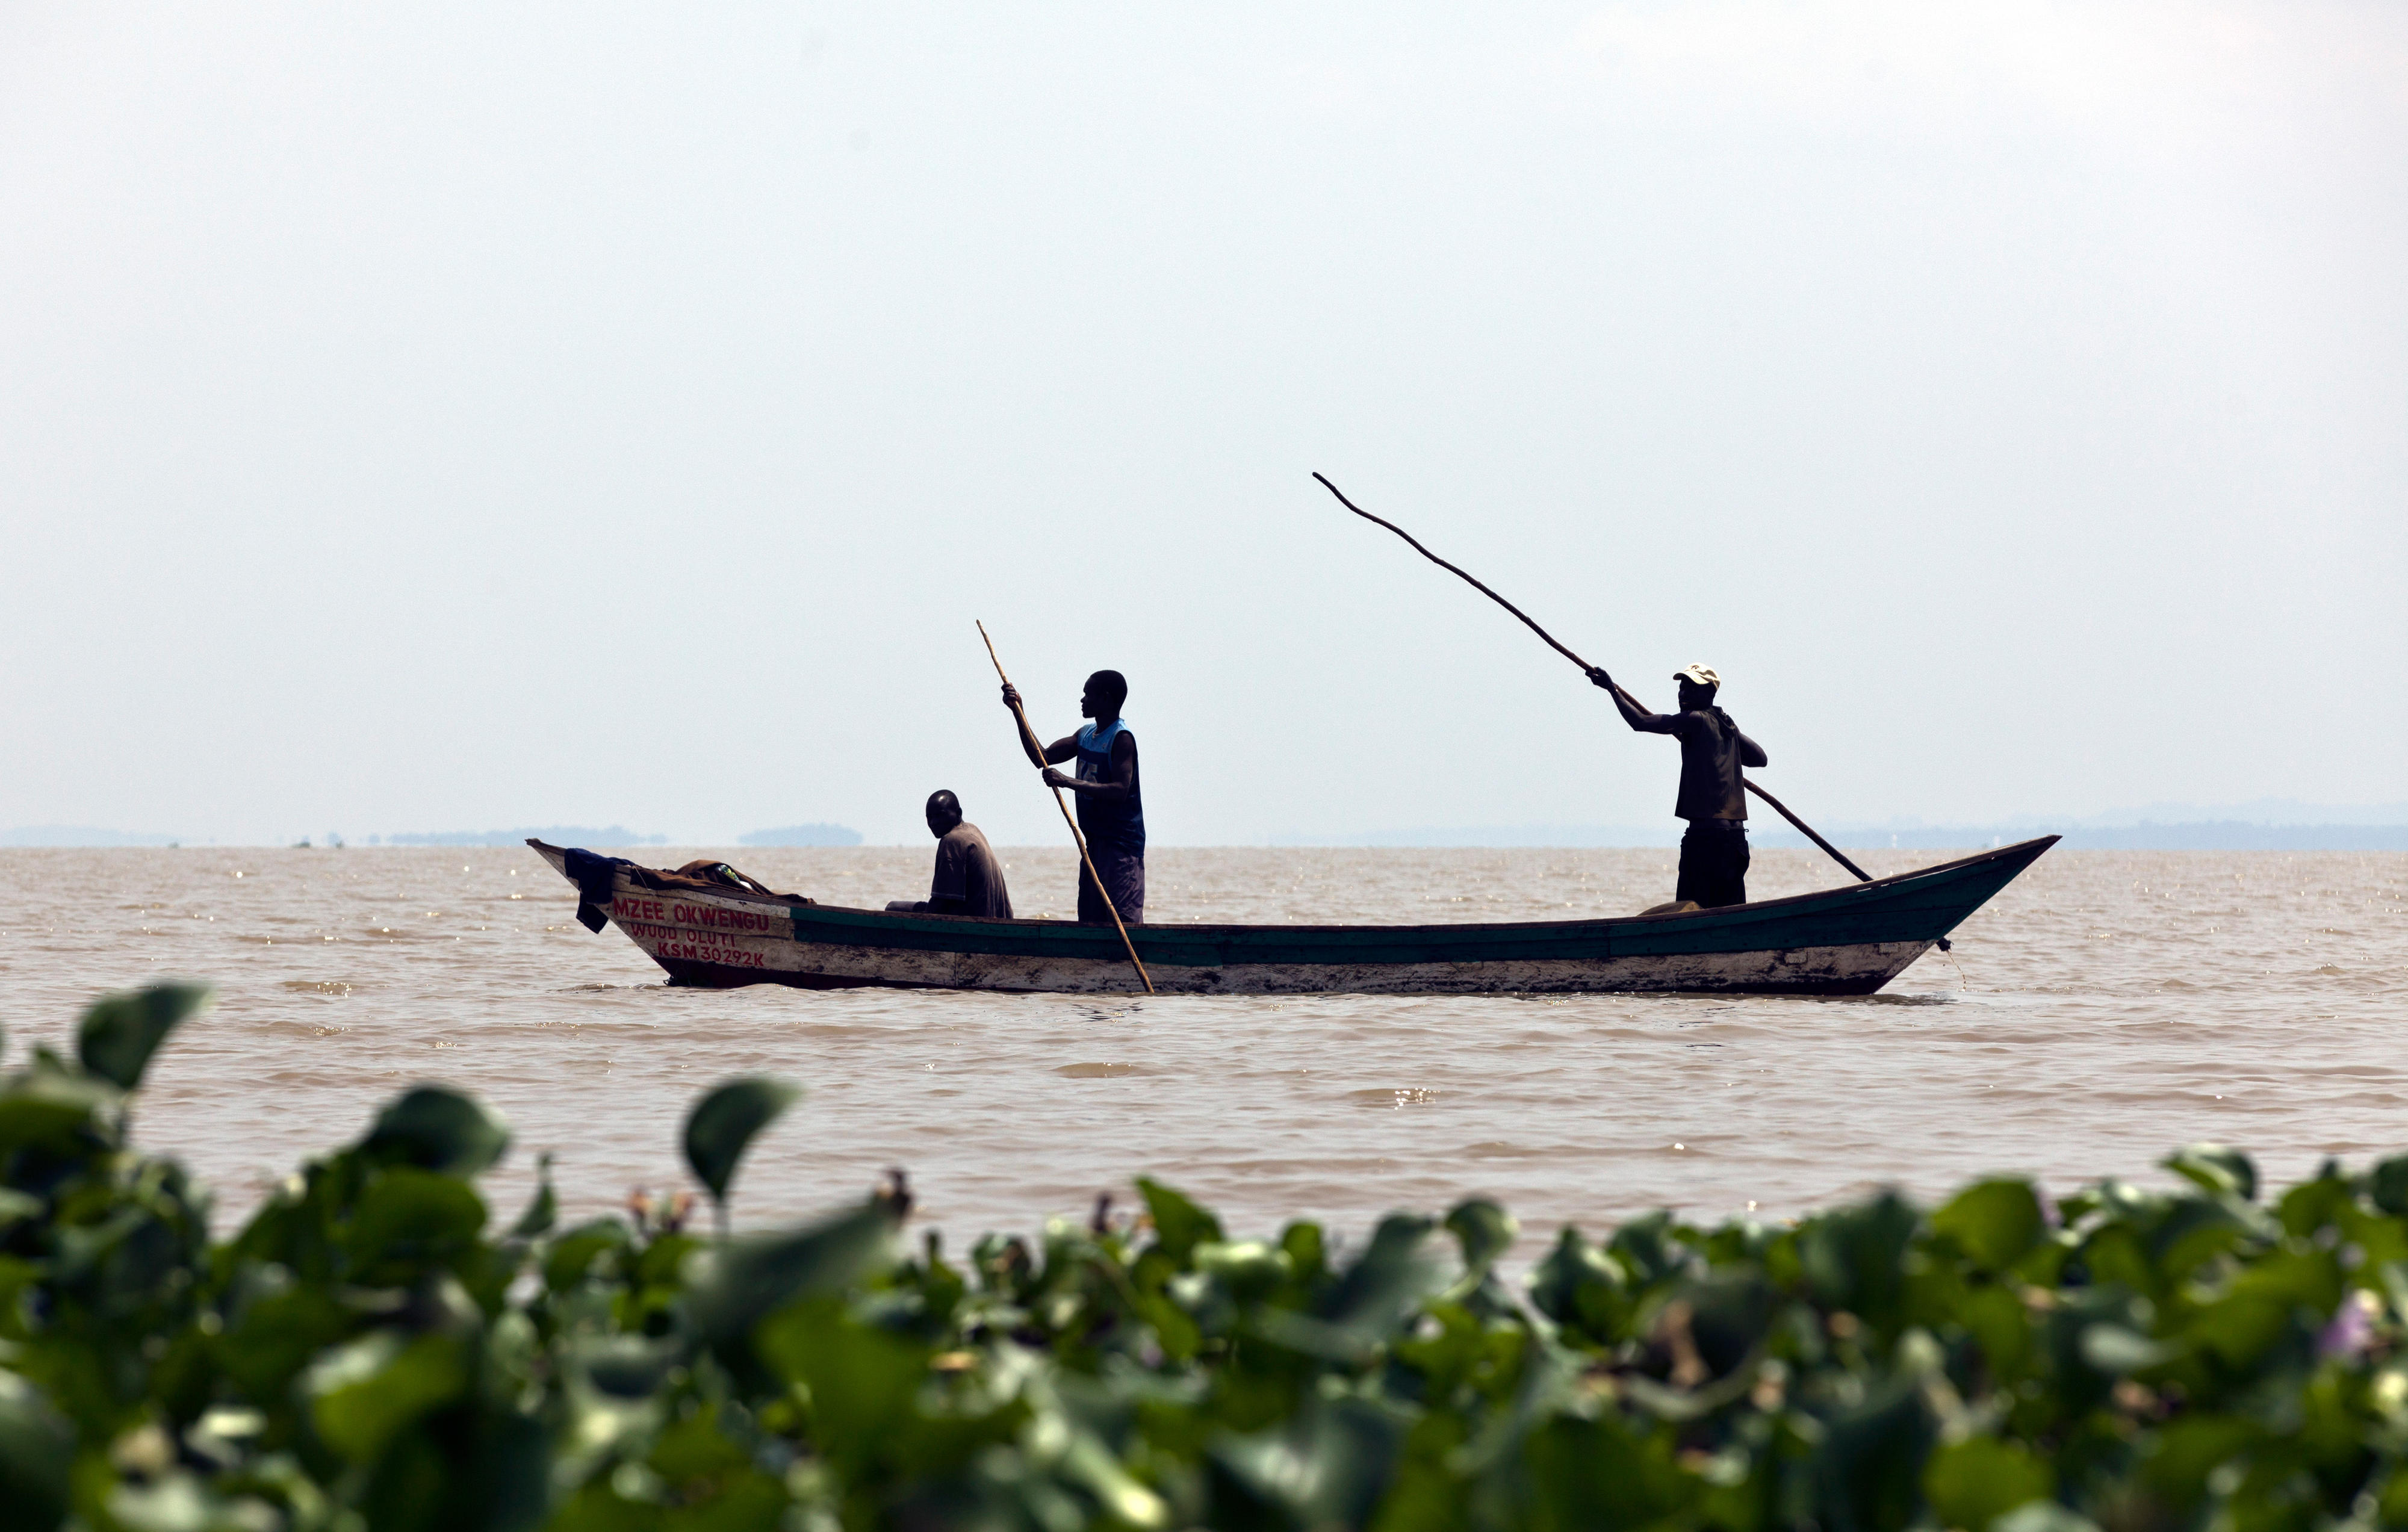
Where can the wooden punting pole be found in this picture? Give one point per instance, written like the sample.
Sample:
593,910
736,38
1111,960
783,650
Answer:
1779,807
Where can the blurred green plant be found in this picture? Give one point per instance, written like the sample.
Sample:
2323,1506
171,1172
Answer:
369,1354
723,1125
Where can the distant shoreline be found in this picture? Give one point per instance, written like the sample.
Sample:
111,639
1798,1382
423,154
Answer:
2205,835
2210,836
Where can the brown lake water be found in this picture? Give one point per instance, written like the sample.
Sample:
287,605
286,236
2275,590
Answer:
2104,1008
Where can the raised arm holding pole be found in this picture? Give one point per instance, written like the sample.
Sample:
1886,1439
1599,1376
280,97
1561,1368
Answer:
1623,699
1037,758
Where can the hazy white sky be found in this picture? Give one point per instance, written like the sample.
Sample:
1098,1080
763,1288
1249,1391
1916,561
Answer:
444,418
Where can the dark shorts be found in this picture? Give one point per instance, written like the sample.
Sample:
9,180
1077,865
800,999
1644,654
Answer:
1123,876
1713,863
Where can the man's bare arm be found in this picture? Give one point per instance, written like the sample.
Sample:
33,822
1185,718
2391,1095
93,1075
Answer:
1638,718
1060,749
1120,774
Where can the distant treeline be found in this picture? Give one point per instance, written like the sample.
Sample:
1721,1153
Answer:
559,834
803,834
2217,835
1769,833
79,834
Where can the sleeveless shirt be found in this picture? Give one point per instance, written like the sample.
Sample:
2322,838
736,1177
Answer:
1112,826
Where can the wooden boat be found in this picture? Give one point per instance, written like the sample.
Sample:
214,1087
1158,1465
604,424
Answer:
1848,941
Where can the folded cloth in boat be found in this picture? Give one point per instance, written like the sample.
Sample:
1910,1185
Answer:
596,880
717,875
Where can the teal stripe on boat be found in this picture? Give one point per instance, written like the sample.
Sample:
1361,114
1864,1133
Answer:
1918,908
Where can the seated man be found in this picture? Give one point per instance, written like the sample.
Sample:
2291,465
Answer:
968,880
1713,792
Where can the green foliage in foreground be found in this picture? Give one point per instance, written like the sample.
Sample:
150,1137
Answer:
371,1354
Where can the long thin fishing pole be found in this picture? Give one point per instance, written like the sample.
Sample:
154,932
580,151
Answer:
1089,862
1455,569
1804,828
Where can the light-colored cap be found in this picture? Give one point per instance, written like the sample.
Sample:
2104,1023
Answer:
1702,674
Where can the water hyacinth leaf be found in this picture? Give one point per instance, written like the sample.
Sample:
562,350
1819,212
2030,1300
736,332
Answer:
180,1502
1326,1468
437,1128
1307,1249
1993,1222
2116,1349
409,1219
1395,1272
1995,1316
695,1448
1577,1283
2189,1451
724,1122
733,1286
2297,1279
2389,1185
863,1382
1179,1225
1972,1483
630,1367
571,1257
118,1032
1596,1475
1867,1469
1250,1269
2329,1199
513,1474
1725,1314
1645,1250
1482,1230
543,1208
36,1448
84,1247
362,1392
1855,1258
2044,1516
1091,1464
16,1206
279,1330
2217,1168
44,1108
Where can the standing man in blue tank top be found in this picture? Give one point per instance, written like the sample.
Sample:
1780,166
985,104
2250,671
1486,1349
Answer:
1111,812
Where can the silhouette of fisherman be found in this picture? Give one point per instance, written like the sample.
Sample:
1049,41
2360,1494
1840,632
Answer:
1111,812
968,881
1713,853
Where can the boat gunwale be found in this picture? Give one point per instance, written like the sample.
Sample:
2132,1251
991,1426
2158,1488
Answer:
798,904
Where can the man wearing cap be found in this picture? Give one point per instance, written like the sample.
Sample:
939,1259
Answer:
1713,853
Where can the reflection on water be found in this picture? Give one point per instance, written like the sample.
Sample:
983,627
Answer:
2105,1008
